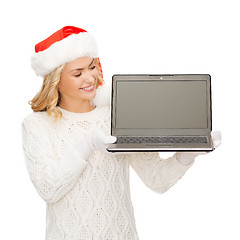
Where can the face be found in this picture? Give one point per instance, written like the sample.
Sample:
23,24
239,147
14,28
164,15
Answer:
78,81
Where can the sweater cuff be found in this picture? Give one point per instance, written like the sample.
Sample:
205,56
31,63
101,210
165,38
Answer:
76,163
185,158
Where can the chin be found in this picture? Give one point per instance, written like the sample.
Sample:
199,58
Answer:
91,95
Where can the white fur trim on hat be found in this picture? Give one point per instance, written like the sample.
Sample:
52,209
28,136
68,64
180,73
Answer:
103,96
66,50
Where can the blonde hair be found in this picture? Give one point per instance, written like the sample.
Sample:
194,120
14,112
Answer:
48,98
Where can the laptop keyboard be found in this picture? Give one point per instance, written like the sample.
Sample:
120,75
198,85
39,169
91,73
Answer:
172,139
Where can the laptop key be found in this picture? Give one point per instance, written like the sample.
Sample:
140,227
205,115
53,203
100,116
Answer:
172,139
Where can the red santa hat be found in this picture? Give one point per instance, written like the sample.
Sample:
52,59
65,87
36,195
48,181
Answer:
65,45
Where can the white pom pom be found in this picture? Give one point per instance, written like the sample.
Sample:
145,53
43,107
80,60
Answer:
103,96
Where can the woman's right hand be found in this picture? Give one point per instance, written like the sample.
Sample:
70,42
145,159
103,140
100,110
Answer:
95,140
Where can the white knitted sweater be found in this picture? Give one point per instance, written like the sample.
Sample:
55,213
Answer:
88,199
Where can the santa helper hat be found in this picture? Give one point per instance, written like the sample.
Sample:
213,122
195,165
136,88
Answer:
66,45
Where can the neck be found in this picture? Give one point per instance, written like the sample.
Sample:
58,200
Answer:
76,107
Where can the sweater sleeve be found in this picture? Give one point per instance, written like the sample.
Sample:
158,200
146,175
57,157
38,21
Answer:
53,172
156,173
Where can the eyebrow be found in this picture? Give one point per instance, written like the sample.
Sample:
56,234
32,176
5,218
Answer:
82,68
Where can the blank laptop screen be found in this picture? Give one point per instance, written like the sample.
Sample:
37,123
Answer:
161,104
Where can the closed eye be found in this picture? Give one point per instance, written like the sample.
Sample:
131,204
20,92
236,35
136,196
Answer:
78,75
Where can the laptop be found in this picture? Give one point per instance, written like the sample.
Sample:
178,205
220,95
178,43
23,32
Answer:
153,113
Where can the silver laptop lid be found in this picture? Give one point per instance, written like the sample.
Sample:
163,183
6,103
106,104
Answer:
158,105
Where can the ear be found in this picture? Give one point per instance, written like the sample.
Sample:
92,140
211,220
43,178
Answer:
103,96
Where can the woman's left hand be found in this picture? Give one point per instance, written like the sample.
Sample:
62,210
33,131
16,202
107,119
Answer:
186,158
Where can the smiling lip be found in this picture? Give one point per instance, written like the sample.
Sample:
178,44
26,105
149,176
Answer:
88,88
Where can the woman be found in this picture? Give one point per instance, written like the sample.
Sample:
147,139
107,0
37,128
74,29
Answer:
86,189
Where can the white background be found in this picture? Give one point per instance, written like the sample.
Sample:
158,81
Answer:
169,36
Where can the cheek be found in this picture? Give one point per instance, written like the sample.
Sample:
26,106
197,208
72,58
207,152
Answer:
95,72
67,84
95,75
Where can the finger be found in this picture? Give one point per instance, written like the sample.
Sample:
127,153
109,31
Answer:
109,139
217,138
100,135
216,135
103,149
107,152
105,139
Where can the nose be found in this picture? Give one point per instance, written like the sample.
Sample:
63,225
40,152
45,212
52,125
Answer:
88,77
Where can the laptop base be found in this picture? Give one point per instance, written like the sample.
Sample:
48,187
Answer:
158,148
